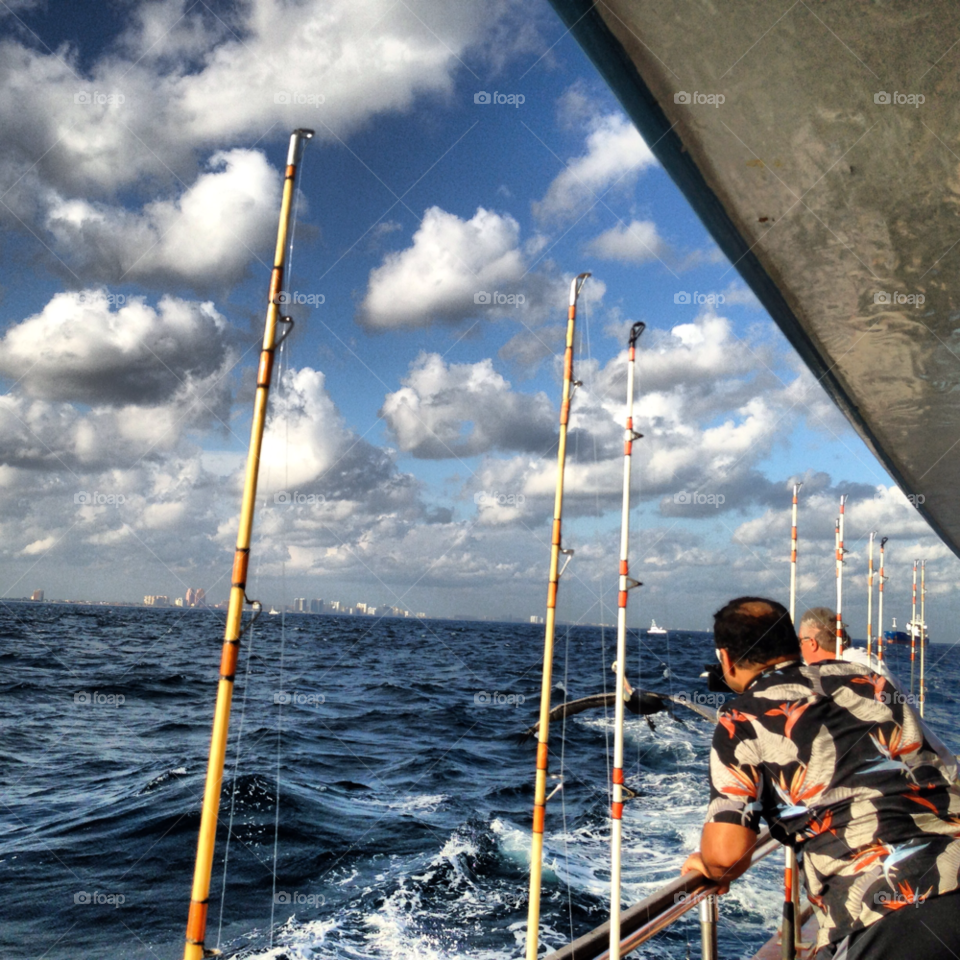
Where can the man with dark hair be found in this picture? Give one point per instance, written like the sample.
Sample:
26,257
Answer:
842,769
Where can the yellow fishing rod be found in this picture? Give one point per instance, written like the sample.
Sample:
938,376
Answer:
194,948
540,786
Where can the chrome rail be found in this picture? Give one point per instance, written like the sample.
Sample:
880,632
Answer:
658,911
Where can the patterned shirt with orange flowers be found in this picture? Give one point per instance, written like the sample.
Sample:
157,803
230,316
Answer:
837,761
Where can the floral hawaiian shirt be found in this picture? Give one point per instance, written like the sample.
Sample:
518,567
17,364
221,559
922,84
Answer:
837,761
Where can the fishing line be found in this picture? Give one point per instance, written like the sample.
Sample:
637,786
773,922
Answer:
283,632
563,797
236,766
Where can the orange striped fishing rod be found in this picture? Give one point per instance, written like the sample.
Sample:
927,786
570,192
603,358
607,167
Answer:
880,579
540,785
626,584
840,553
793,555
913,627
873,534
923,634
194,948
791,886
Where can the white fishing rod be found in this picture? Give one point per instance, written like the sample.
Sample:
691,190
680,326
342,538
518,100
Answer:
793,555
626,584
881,578
543,733
790,933
913,628
840,553
923,634
873,534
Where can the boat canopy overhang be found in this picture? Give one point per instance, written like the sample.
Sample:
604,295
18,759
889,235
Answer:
828,183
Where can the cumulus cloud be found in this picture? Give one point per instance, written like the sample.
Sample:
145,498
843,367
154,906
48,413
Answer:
205,238
182,83
83,347
461,410
635,242
444,275
615,155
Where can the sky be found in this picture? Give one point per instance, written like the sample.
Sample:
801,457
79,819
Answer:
468,162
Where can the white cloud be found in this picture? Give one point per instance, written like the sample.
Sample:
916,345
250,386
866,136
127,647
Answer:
450,263
82,347
460,410
205,238
616,154
636,242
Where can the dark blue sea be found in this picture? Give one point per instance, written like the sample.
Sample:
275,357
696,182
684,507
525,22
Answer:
377,803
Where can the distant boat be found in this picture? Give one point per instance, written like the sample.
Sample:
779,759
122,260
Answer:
274,612
894,635
653,628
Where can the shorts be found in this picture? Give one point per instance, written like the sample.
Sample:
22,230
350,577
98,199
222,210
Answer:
930,930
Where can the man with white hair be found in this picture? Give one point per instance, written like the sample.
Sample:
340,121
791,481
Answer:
818,642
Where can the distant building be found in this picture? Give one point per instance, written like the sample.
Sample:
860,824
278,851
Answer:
301,605
371,611
536,619
156,601
196,597
335,606
178,602
316,606
361,608
38,596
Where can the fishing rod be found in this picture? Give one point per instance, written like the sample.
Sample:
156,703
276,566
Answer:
791,880
194,949
793,555
626,584
873,534
913,627
840,553
540,786
923,632
881,579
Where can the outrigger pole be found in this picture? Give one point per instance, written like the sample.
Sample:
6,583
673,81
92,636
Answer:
789,932
199,898
627,583
913,627
881,578
873,534
840,553
540,786
923,631
793,555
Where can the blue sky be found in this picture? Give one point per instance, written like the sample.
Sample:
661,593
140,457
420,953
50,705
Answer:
139,189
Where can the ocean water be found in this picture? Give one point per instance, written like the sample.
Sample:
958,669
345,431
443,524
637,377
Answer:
377,802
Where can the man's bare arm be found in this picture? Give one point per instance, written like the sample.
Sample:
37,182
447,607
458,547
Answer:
724,854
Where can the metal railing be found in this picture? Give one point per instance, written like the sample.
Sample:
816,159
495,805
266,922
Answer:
658,911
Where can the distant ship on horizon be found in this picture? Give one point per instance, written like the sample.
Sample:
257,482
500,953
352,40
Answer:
653,628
